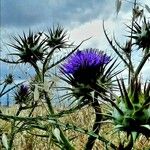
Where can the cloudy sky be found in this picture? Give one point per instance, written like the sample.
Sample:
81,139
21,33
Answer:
82,19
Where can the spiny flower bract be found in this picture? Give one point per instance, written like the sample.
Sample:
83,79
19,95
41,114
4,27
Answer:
57,37
135,107
30,48
141,34
9,79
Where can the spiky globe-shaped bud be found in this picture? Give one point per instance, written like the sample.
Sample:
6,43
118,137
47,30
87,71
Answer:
57,37
141,34
9,79
86,71
22,95
135,109
30,48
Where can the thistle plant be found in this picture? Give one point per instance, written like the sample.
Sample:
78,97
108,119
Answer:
57,37
131,110
33,49
92,80
86,72
7,81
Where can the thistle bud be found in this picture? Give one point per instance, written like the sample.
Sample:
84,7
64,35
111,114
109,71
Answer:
9,79
135,118
141,34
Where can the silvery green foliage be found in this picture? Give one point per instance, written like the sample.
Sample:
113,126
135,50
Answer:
5,141
92,80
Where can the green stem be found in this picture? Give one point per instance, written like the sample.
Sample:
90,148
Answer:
130,62
82,130
97,124
13,132
11,136
139,68
1,93
66,142
37,71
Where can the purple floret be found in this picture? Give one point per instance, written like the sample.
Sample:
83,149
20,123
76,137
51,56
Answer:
85,65
24,90
85,59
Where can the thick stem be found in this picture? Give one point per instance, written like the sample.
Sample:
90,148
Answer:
37,70
13,132
130,54
11,138
142,63
97,124
1,93
66,142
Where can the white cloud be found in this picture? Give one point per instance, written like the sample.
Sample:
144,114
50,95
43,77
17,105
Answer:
94,30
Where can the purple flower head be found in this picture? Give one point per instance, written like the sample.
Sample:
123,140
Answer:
22,94
85,65
24,90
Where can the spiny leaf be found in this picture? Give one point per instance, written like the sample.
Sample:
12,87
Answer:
36,93
134,136
56,133
5,141
147,8
146,126
118,5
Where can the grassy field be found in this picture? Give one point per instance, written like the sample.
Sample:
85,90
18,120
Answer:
28,141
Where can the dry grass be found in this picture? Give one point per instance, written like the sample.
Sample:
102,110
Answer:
83,118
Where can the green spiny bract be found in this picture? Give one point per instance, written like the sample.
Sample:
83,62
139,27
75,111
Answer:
57,37
141,34
134,104
30,48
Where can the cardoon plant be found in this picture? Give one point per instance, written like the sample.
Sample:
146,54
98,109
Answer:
86,72
131,112
90,76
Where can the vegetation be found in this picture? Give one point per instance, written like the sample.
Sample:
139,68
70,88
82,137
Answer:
103,110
